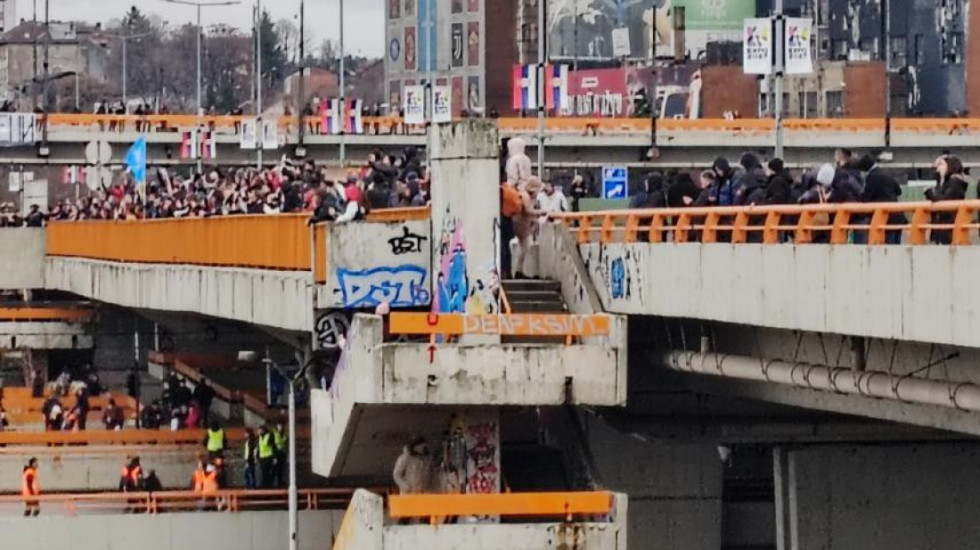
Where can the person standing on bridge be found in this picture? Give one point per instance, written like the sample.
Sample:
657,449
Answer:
951,185
204,395
250,457
214,441
413,469
526,222
29,488
267,456
281,441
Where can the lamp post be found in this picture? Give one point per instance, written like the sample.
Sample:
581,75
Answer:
293,495
343,96
200,31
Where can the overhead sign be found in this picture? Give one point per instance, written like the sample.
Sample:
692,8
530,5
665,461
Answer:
615,181
414,104
442,104
757,46
621,42
799,58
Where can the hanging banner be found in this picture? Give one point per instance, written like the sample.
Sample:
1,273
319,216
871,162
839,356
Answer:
799,58
442,104
757,46
270,134
249,138
414,104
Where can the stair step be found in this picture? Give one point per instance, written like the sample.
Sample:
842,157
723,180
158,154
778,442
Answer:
537,307
533,295
550,340
512,285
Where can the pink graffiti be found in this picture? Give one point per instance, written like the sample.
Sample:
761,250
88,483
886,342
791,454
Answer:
482,452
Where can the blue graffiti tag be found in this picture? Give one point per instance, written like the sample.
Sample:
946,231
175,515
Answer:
402,286
617,276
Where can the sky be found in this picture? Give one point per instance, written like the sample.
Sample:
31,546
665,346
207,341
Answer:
363,31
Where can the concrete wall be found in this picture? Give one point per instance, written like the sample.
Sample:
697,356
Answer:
362,526
914,293
96,470
277,299
558,258
526,536
180,531
44,335
22,250
912,497
370,263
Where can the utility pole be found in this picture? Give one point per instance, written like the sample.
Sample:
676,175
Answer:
779,68
301,95
542,24
343,95
44,88
258,83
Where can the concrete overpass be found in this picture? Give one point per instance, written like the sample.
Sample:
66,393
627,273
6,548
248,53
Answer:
571,142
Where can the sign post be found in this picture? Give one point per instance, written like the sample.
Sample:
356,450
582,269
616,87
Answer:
615,182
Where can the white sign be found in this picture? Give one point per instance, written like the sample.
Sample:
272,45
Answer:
250,134
16,182
757,46
414,104
621,42
35,192
799,59
442,104
97,152
270,134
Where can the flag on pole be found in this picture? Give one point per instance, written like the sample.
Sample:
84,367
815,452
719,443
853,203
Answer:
189,145
525,87
556,86
330,109
353,123
73,174
136,160
209,148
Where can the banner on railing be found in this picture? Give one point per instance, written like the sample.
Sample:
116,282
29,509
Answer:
414,104
17,129
757,46
249,138
442,104
799,58
270,134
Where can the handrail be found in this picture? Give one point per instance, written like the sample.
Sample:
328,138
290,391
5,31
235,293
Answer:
517,324
228,500
562,505
29,313
126,437
834,223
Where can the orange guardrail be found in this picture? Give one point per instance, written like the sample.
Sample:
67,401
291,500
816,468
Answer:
187,436
580,125
502,504
765,224
517,324
162,501
399,214
67,315
266,242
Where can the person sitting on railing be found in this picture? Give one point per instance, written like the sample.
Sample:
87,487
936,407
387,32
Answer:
951,185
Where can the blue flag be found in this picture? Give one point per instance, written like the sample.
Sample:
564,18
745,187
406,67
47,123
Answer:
136,160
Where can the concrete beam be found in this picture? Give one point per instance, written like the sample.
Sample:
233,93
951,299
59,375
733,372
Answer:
22,250
34,335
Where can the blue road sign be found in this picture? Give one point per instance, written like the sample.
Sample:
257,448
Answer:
615,182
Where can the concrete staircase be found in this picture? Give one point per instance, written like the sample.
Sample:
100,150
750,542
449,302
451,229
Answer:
534,296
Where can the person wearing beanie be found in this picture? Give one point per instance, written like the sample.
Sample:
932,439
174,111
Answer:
778,182
878,187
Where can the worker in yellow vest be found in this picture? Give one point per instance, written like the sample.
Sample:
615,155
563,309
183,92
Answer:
214,441
251,458
267,456
281,439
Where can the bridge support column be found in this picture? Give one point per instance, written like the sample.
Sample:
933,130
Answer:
465,218
784,476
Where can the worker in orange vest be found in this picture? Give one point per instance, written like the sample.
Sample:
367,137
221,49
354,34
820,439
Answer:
197,482
131,479
30,487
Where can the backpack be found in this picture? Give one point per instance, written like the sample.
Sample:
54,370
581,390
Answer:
511,203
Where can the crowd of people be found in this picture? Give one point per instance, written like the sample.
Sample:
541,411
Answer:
384,181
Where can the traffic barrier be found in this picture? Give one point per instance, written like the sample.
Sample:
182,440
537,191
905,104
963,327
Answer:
765,224
564,505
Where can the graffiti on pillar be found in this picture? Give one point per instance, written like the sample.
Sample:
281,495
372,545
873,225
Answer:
406,242
401,286
452,286
483,457
330,328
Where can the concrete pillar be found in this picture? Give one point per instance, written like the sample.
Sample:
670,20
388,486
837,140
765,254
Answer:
465,217
784,476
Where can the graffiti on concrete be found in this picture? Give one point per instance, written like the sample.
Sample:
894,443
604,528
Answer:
615,270
406,243
402,286
452,285
482,452
330,328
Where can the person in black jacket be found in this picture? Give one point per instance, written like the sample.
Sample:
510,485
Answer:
879,187
683,191
951,185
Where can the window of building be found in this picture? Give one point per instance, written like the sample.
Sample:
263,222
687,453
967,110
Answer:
870,46
839,50
808,104
918,55
899,53
835,104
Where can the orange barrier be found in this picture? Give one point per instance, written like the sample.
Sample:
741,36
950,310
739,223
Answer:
152,503
501,504
399,214
67,315
267,242
188,436
320,253
765,223
528,324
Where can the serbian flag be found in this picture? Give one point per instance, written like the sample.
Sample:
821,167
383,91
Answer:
353,123
209,145
556,86
73,174
330,115
525,87
188,145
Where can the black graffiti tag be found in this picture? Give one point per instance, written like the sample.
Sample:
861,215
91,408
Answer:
406,243
330,327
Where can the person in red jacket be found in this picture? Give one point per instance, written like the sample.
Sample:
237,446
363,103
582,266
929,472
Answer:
30,487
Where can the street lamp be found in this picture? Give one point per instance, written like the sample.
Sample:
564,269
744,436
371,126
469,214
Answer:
293,531
199,5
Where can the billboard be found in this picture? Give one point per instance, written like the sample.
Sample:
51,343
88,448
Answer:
715,15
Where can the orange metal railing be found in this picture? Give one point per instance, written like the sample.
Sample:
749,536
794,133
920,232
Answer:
836,223
162,501
579,125
187,436
563,505
266,242
27,313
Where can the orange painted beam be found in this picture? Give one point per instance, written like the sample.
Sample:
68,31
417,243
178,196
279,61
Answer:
68,315
399,214
125,437
501,504
518,324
